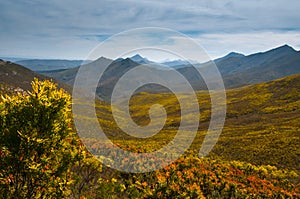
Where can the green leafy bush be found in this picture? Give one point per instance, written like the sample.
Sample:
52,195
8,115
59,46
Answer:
37,146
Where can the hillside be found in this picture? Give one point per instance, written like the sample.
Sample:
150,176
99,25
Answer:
262,123
14,77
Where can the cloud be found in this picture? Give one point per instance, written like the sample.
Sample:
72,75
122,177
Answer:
153,42
71,28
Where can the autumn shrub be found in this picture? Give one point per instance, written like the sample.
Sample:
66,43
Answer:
37,144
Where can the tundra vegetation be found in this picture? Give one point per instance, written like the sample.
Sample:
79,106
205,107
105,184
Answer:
256,156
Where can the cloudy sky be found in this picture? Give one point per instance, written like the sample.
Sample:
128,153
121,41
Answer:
70,29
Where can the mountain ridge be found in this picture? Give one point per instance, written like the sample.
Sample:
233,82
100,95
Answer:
236,69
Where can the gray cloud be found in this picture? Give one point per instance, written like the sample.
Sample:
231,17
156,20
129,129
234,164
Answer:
40,28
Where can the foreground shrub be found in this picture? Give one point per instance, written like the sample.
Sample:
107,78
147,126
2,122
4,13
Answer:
37,146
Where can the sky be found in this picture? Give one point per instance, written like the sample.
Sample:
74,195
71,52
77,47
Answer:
71,29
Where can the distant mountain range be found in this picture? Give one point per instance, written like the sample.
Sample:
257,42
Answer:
13,59
49,64
162,65
236,69
37,65
178,63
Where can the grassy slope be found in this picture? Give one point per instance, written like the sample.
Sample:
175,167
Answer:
262,125
262,128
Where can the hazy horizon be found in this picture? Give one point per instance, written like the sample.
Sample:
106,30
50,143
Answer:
149,57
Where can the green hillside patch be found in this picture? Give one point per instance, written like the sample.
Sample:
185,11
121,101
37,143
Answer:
262,124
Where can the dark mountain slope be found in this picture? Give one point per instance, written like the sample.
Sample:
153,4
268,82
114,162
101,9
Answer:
235,64
262,67
17,77
238,70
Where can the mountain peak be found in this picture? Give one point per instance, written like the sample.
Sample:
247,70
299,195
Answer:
280,51
234,54
102,58
230,55
285,47
137,57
